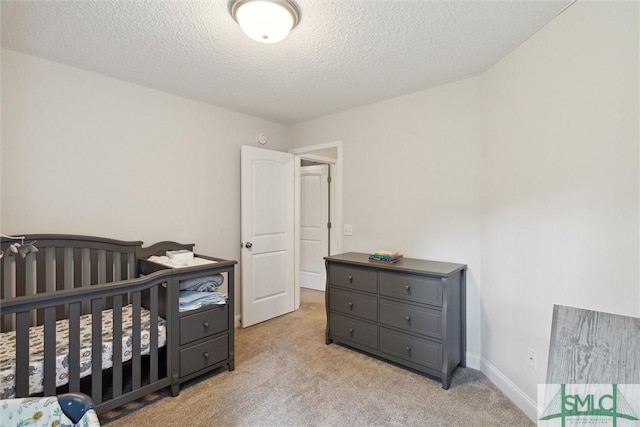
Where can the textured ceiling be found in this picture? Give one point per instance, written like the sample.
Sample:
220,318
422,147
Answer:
344,53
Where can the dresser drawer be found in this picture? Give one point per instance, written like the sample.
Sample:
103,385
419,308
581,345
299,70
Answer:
364,279
365,306
410,348
353,330
199,356
203,324
410,287
413,318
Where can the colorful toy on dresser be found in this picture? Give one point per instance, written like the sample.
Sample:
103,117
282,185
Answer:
385,257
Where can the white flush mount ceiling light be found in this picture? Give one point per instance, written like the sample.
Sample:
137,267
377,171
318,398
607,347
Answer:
265,21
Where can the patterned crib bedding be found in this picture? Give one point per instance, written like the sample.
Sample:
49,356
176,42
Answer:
36,349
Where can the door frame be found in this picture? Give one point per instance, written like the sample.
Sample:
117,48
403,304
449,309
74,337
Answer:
336,223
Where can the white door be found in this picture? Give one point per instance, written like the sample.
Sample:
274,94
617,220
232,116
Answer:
267,234
314,233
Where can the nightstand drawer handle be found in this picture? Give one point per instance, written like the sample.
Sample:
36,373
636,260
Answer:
407,318
408,348
350,332
408,288
205,324
350,279
350,305
206,354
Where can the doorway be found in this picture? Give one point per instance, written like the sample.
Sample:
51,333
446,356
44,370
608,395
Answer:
309,251
316,214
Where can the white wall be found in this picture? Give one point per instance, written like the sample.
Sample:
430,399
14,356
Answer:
561,183
88,154
412,179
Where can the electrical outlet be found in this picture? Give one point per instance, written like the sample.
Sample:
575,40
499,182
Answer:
531,358
348,230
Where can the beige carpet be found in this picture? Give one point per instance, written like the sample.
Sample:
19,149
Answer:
286,375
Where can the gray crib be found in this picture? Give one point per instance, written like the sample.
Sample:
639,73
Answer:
77,316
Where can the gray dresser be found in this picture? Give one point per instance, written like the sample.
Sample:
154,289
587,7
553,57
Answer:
411,312
202,339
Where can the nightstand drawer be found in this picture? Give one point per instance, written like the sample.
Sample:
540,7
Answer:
364,279
413,318
360,305
413,349
203,324
354,330
199,356
410,287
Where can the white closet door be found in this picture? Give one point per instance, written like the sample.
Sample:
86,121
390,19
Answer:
314,234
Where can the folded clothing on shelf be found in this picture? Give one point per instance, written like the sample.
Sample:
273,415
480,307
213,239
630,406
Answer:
169,262
192,300
203,284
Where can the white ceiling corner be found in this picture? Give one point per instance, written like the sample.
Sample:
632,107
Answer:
343,53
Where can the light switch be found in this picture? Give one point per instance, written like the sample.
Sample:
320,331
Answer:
348,230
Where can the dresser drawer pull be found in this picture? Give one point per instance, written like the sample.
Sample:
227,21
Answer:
350,305
205,324
350,279
408,348
408,288
350,332
205,354
407,318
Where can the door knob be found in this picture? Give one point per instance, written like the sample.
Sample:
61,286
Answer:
248,245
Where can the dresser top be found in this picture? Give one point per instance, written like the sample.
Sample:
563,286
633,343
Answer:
405,264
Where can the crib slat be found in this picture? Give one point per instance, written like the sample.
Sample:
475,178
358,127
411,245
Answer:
96,350
94,267
60,269
50,278
135,351
41,279
77,267
8,291
117,346
106,273
21,280
109,267
3,280
117,266
124,273
41,272
124,266
50,351
74,346
153,338
132,266
22,354
59,282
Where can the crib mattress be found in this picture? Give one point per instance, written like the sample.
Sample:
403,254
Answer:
36,349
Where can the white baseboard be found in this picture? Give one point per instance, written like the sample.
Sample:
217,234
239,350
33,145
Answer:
473,361
513,392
